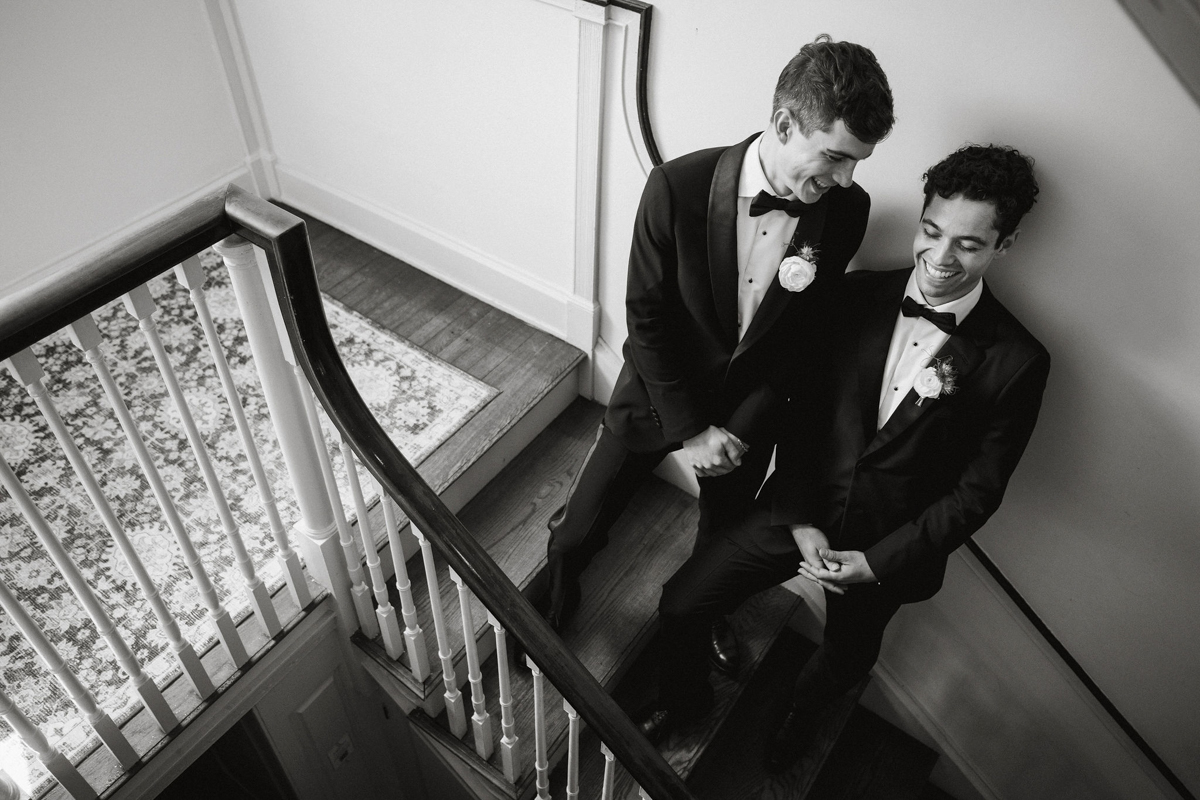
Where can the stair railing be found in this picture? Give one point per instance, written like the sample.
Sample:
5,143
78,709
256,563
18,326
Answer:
298,367
69,302
284,240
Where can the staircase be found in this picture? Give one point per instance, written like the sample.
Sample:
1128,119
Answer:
479,504
854,755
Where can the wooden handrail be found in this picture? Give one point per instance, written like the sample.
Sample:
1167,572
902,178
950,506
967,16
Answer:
284,238
31,314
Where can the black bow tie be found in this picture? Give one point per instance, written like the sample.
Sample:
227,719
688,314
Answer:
764,201
943,320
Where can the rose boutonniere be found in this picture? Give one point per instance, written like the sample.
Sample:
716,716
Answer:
938,379
797,272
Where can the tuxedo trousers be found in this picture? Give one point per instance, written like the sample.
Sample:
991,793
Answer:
610,475
736,563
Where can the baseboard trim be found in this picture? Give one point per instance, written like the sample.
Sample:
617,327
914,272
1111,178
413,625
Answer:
496,282
892,684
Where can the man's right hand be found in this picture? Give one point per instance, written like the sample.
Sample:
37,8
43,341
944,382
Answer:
714,451
811,541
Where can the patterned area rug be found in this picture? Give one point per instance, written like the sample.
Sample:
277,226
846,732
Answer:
418,399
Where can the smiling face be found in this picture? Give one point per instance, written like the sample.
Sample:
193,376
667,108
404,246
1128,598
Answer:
956,242
808,166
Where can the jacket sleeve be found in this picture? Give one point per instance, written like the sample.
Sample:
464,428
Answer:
652,303
946,523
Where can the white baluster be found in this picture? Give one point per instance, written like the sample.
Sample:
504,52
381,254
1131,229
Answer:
316,527
191,274
9,790
454,700
141,682
141,307
414,637
86,337
572,751
540,765
28,371
55,762
610,773
509,741
385,615
481,721
359,591
101,723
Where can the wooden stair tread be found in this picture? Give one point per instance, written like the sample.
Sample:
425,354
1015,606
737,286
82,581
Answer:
520,361
874,760
618,614
733,764
758,623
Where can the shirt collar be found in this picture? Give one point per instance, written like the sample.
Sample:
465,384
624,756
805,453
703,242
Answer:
960,308
753,180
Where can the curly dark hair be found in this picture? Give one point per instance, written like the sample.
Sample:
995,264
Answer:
827,81
995,173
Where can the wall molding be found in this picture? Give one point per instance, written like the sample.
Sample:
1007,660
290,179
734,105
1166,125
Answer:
463,266
243,93
892,684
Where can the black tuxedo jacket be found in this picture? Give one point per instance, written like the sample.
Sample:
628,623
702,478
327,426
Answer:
910,493
684,366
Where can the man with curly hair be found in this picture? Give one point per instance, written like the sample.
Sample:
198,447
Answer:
710,320
933,390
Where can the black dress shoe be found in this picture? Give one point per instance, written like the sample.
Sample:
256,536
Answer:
657,724
789,739
556,618
724,653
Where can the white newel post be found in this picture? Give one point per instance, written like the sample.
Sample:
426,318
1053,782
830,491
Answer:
316,530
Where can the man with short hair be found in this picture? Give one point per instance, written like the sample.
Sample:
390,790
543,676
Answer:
710,313
932,390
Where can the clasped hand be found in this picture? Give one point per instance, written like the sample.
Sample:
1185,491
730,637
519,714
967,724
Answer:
830,569
714,451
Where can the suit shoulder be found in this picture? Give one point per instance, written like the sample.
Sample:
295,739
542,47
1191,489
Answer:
852,198
1021,342
699,160
866,282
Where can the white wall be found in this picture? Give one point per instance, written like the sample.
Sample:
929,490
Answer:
443,131
1098,530
383,116
110,113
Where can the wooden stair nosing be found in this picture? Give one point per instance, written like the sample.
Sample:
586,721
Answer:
732,766
618,615
758,623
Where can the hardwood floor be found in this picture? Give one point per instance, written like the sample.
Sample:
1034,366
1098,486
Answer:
523,363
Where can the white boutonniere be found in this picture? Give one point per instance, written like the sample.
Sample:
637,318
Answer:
797,272
938,379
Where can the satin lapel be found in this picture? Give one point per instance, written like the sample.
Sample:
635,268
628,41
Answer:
874,340
809,228
964,351
722,236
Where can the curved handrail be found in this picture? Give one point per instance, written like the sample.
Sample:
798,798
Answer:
645,11
284,238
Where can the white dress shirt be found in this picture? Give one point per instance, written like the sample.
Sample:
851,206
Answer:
761,240
915,341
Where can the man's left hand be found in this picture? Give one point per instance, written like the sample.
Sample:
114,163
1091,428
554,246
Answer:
841,567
